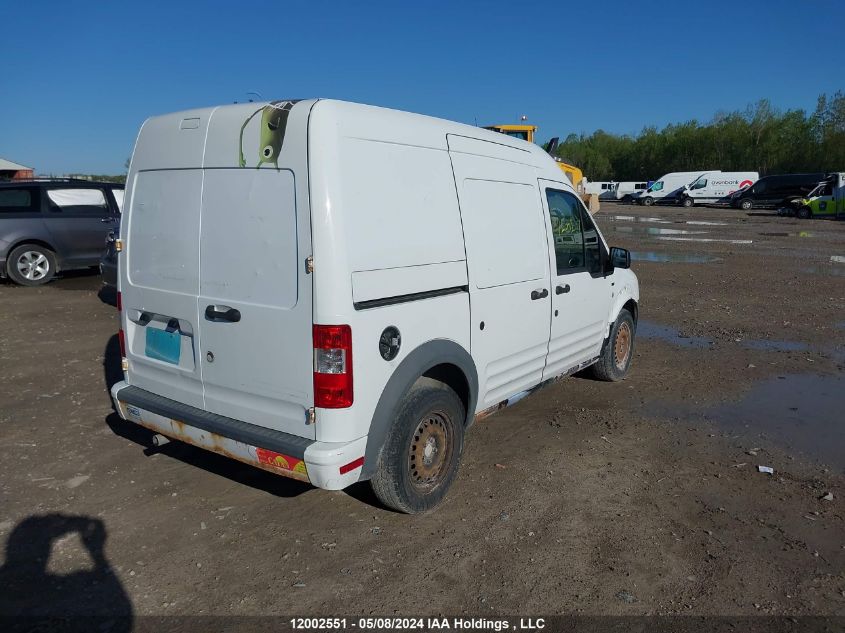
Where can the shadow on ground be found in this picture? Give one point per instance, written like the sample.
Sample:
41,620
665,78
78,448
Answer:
32,594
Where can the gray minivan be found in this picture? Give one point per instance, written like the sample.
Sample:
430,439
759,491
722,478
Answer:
55,224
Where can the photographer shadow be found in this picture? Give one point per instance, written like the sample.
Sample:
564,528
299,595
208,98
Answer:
31,595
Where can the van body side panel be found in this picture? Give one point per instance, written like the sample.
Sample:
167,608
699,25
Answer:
385,223
714,186
508,263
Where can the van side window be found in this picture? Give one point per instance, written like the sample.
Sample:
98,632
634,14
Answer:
91,202
700,184
15,201
658,186
565,215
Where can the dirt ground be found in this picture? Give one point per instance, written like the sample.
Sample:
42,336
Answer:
640,497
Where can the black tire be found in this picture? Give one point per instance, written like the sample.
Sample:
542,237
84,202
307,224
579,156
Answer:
609,366
31,265
745,204
648,201
430,416
687,202
804,212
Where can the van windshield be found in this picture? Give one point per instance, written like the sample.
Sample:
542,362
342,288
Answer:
822,189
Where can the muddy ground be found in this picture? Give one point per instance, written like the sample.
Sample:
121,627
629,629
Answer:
641,497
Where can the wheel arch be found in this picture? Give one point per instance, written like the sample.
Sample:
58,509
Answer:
631,306
441,360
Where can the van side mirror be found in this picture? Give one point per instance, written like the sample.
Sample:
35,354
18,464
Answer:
620,257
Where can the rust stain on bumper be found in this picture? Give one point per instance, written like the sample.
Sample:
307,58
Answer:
218,444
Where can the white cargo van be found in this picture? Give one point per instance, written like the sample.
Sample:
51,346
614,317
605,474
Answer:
712,186
604,190
334,292
626,190
669,186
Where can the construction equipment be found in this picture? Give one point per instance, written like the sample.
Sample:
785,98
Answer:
527,132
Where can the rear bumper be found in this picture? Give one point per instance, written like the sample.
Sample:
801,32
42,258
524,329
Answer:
319,463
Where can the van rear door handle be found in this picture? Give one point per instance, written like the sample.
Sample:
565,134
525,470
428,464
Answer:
562,289
222,313
539,294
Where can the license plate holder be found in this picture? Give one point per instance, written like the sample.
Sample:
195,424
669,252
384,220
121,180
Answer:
163,345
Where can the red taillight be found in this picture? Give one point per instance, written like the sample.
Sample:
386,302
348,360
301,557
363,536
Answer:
332,366
120,336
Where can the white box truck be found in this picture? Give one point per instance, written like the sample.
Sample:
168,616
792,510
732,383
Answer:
669,186
333,292
710,187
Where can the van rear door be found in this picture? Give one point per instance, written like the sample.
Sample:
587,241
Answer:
160,283
254,314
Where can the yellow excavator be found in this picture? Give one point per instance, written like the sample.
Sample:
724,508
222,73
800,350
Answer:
526,133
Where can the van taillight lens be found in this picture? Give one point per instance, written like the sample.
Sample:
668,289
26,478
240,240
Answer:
332,366
120,336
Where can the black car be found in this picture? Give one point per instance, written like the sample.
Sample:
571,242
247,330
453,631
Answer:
54,224
773,192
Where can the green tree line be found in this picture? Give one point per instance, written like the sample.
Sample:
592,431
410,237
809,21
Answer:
761,138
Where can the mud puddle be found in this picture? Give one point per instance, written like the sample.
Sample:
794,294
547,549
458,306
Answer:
706,239
767,345
664,258
668,334
632,218
818,270
650,230
798,412
787,234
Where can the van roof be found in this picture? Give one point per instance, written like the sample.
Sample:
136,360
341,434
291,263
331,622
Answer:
369,121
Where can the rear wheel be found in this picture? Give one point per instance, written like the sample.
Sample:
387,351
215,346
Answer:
422,452
745,204
31,265
618,350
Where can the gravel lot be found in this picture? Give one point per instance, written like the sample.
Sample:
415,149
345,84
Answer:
641,497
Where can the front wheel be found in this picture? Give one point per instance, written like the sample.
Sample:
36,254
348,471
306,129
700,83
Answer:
745,204
687,202
31,265
618,350
648,201
804,212
422,452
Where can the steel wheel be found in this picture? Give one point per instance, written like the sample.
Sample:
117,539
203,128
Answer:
33,266
431,452
622,345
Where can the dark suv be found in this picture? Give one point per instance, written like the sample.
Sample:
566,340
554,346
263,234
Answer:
775,191
52,225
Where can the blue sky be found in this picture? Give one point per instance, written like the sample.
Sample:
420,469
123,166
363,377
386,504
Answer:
80,77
